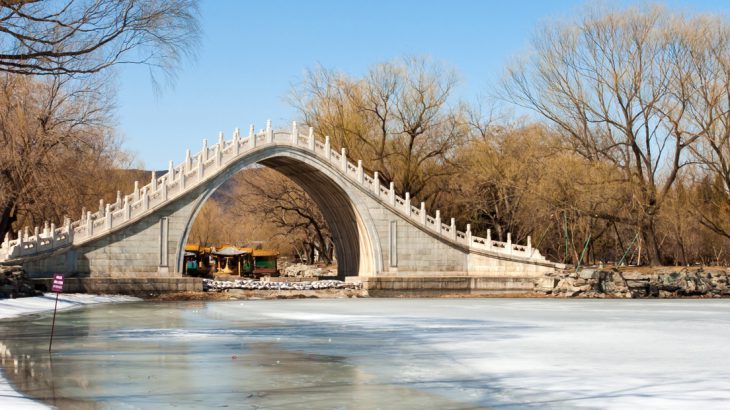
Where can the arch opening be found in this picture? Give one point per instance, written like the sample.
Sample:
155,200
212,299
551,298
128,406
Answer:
355,251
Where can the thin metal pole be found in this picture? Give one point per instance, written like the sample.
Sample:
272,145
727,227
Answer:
585,247
53,325
621,262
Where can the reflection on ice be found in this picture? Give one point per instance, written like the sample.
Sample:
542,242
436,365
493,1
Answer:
378,353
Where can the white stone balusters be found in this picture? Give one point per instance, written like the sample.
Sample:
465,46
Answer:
145,199
468,234
153,182
423,213
359,173
269,132
188,162
294,134
108,217
101,206
53,234
163,190
170,171
236,142
376,184
6,241
509,242
218,153
128,208
118,202
89,224
221,140
327,148
437,220
45,228
204,151
251,137
136,191
311,139
452,229
529,245
391,194
489,238
407,204
200,169
343,160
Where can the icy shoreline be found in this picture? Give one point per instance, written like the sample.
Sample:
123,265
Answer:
10,308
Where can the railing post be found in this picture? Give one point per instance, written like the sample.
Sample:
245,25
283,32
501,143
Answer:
164,191
438,221
153,183
118,202
453,228
327,148
204,151
200,168
468,234
108,217
423,213
170,171
359,173
136,190
376,184
489,238
391,194
127,209
221,141
188,162
6,241
343,160
218,155
251,137
182,182
145,199
53,234
529,245
407,203
509,242
311,139
45,228
269,132
101,206
294,134
236,141
89,224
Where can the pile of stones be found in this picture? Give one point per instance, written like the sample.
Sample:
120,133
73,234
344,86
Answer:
14,283
662,283
300,270
219,285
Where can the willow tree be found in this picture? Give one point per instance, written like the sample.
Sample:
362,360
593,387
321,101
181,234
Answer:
613,84
397,118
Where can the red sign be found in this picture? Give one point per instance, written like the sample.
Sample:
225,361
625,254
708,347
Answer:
57,282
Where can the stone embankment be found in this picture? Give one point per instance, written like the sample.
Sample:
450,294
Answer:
659,283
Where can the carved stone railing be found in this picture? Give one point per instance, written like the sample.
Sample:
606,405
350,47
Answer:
209,162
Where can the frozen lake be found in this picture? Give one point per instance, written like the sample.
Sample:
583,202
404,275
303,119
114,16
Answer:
377,353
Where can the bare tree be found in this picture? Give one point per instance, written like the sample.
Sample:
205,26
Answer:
609,84
87,36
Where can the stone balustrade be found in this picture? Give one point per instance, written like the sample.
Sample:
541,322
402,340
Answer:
197,169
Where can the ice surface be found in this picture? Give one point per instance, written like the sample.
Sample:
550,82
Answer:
9,308
386,353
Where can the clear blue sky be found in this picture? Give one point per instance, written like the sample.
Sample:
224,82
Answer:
252,52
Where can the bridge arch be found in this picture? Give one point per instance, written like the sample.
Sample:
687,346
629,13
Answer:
353,231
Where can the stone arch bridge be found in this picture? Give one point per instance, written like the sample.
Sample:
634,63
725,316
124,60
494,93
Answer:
376,232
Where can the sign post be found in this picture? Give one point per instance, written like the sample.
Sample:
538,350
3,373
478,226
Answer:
58,288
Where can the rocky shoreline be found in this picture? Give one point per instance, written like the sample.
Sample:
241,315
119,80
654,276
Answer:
641,283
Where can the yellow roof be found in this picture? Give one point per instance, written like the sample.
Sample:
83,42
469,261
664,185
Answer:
265,252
